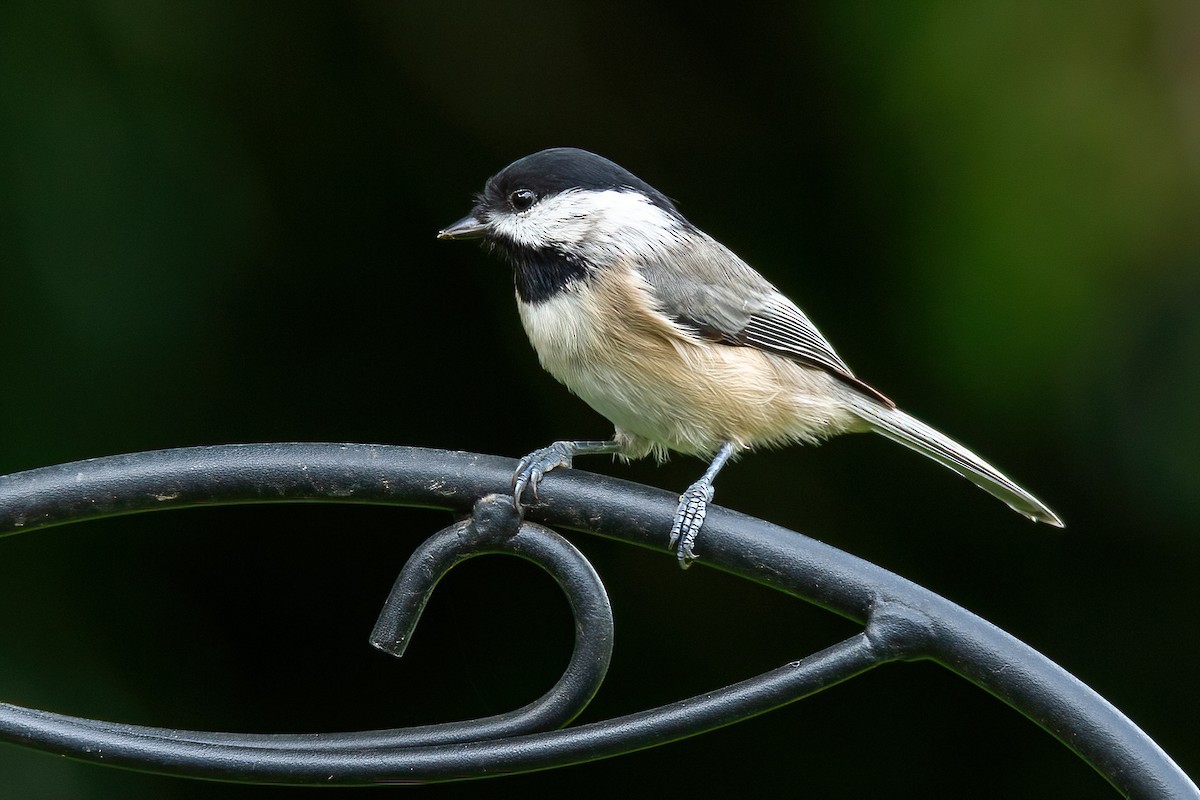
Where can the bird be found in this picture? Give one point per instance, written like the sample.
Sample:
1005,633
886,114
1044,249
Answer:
673,338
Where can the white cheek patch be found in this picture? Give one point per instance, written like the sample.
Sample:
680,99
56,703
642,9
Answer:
595,225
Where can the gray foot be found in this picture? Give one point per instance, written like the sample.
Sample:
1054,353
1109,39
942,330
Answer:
693,506
534,466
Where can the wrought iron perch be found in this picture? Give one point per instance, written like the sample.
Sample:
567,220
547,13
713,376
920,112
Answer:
902,620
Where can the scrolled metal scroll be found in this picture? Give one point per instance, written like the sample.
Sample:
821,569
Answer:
901,620
494,527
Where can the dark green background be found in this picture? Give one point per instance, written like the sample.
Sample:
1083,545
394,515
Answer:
217,225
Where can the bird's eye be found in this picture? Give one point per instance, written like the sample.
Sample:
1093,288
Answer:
522,199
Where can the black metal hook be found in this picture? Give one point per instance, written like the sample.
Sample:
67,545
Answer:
495,527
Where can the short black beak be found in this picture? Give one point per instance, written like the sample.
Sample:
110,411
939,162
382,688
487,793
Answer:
469,227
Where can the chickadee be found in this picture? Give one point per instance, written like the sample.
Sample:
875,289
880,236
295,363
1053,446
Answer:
672,337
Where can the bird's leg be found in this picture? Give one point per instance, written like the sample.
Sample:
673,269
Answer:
693,505
535,465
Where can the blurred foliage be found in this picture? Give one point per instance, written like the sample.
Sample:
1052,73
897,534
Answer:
216,224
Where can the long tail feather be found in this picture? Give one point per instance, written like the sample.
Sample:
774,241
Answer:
912,433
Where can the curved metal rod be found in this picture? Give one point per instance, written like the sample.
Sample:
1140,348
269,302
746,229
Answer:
918,623
494,527
290,759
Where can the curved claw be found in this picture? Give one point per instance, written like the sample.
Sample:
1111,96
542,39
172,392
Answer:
689,517
533,467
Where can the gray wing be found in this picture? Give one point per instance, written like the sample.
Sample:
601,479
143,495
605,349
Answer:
707,288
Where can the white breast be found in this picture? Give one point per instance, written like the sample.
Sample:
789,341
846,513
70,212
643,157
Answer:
565,335
578,340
